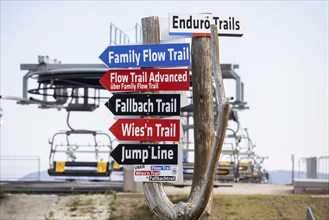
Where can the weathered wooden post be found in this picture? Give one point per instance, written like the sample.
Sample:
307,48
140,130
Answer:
203,111
151,35
208,144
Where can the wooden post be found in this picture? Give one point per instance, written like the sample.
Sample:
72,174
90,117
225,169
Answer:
151,30
151,35
205,62
129,185
203,113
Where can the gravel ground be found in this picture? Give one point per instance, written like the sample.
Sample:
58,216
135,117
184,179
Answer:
35,207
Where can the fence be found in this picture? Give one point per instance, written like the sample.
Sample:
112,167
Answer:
323,167
19,168
312,167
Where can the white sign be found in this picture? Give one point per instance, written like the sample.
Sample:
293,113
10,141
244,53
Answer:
199,25
155,173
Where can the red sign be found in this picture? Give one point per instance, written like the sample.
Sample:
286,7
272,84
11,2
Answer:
146,129
147,173
127,80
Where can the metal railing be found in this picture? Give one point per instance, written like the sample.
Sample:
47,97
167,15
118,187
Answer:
117,36
323,167
19,168
312,167
302,167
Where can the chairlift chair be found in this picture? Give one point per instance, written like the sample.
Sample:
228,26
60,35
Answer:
71,159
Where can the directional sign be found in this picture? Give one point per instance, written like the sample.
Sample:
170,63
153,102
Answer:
146,129
144,104
126,154
148,55
127,80
199,25
155,173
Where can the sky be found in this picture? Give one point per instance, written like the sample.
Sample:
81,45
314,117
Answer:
283,59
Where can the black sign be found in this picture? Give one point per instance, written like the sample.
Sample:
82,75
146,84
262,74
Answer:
162,178
144,104
146,154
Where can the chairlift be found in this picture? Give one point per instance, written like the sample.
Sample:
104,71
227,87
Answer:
80,160
261,175
64,158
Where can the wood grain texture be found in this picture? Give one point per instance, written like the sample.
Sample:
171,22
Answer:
208,144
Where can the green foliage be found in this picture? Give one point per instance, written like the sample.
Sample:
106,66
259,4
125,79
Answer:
2,192
142,211
247,207
111,193
268,206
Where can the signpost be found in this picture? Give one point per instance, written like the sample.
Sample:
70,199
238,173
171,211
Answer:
199,25
147,80
126,154
165,157
147,55
144,104
146,129
127,80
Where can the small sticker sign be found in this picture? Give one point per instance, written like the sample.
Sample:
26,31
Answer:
155,173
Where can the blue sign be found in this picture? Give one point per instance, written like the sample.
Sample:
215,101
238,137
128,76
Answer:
160,168
147,55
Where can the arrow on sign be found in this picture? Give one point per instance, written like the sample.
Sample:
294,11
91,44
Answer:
146,129
127,80
144,104
145,154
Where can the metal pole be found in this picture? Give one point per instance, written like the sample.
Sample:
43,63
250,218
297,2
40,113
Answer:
293,168
111,34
